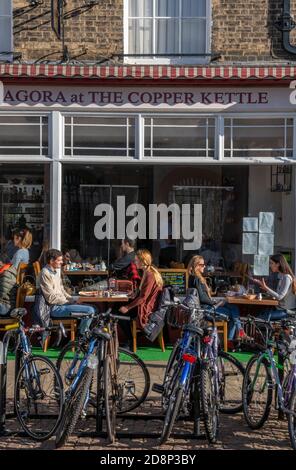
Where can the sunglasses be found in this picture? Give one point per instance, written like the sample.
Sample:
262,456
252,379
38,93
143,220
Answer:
201,264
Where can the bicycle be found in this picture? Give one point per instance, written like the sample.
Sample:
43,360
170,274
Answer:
38,394
262,377
193,379
98,349
132,374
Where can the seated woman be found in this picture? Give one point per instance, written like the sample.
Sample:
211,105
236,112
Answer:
22,240
195,270
8,288
285,291
146,301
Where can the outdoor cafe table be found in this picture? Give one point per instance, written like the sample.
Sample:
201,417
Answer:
100,299
243,301
80,272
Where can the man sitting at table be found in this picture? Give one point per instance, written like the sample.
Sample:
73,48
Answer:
125,267
62,303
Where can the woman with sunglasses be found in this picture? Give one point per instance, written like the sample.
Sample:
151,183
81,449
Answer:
285,291
197,280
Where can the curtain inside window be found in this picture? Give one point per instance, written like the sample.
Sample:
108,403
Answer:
167,26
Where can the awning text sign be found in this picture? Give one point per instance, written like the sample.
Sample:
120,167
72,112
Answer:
193,98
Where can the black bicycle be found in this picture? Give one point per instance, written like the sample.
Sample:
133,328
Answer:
38,391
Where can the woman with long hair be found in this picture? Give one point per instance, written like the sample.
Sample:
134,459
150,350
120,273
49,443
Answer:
285,292
22,240
197,280
150,287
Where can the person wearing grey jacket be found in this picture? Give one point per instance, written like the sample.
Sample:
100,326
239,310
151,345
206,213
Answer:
285,291
8,288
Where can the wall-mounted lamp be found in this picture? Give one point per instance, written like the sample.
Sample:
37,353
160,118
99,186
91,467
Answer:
281,178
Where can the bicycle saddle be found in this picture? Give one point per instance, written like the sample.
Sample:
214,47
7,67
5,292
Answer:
96,332
18,313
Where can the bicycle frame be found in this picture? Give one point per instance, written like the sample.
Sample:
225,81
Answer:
283,396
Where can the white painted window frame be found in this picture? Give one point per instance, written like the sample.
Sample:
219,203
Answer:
8,55
56,158
192,60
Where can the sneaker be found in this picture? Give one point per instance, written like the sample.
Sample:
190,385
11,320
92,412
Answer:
230,346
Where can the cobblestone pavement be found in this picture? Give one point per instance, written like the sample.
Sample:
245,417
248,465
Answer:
234,433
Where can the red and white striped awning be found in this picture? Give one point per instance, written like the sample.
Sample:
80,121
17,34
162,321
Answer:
147,72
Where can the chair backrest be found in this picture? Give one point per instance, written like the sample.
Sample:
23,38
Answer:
21,272
37,269
21,296
124,285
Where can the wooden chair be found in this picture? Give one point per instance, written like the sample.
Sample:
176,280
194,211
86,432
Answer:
37,268
21,272
20,302
223,328
69,325
135,330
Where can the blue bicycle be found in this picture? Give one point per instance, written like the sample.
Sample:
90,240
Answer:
199,380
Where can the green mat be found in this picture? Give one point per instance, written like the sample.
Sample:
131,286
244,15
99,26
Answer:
147,354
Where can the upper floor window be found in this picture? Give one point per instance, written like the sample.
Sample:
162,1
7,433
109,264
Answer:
6,36
167,31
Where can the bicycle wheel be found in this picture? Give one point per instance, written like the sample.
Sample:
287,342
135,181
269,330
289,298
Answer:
68,362
292,420
170,376
231,376
172,411
74,408
110,397
38,397
133,381
209,403
132,375
257,392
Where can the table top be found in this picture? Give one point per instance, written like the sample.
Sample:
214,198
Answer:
224,274
79,299
80,272
244,301
97,299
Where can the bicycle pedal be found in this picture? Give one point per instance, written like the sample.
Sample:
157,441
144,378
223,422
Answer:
157,388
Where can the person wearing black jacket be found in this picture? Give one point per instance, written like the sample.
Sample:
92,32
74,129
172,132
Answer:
197,280
124,267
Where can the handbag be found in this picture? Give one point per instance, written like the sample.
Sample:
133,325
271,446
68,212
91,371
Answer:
29,286
41,310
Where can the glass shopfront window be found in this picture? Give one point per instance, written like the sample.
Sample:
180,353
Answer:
86,186
179,137
24,203
99,136
258,137
23,135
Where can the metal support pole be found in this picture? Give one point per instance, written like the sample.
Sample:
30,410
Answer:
3,383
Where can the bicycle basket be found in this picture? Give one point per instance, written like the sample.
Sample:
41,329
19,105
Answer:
177,316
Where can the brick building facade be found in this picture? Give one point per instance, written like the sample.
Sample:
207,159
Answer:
242,31
161,107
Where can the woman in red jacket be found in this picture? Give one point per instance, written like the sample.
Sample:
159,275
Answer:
146,301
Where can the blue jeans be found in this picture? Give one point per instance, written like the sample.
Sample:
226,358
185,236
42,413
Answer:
232,312
4,309
64,311
272,314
